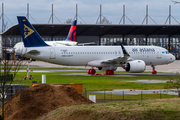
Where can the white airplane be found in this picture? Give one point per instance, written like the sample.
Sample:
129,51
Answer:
107,58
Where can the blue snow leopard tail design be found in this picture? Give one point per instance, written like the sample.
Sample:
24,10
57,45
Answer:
30,36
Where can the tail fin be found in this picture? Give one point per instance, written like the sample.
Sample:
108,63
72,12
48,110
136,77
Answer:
29,35
72,32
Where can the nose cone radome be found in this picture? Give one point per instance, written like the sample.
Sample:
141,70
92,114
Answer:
172,58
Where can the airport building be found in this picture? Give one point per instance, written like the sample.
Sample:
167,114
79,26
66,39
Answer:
166,36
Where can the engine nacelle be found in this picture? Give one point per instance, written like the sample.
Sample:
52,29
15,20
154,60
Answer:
107,68
135,66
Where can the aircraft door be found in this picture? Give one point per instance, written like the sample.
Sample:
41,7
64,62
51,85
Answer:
159,54
52,53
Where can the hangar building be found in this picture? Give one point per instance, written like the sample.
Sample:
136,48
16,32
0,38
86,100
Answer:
167,36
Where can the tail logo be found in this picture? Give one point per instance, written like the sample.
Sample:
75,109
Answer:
27,31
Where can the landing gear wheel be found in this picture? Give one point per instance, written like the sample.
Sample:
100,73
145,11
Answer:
153,69
91,71
154,72
109,72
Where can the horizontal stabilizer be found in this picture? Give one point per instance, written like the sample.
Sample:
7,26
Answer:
34,52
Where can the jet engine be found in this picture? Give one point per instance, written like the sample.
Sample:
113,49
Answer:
135,66
107,68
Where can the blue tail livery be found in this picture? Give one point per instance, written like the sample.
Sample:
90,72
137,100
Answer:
29,35
72,32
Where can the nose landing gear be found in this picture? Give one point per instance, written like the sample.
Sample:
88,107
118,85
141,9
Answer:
153,69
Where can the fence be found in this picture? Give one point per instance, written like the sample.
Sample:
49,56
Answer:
12,89
115,95
120,95
8,77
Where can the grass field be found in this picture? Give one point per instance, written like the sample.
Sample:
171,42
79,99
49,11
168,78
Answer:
94,82
157,109
100,83
141,107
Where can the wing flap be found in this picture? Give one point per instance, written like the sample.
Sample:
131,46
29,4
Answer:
120,59
116,60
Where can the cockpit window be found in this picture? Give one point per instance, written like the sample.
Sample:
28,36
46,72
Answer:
167,52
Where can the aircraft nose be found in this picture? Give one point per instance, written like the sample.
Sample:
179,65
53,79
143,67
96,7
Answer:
172,58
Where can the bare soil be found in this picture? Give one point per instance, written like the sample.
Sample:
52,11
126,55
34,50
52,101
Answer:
33,102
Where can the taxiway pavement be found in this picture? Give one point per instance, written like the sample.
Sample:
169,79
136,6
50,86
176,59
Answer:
170,68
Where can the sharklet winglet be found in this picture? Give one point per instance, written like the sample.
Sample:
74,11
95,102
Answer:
124,51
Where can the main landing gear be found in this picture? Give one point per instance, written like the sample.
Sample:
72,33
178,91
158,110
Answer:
109,72
153,69
93,71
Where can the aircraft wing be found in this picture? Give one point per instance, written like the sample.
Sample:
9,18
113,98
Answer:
120,59
116,60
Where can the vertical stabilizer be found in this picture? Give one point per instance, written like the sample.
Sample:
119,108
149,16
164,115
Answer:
72,32
29,35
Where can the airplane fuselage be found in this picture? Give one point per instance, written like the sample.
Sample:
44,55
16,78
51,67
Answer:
81,55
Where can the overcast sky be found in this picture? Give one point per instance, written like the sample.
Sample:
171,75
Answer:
89,10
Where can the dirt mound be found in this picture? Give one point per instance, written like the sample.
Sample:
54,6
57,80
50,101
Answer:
33,102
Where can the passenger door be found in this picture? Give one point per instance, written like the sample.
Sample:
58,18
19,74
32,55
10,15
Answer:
52,53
